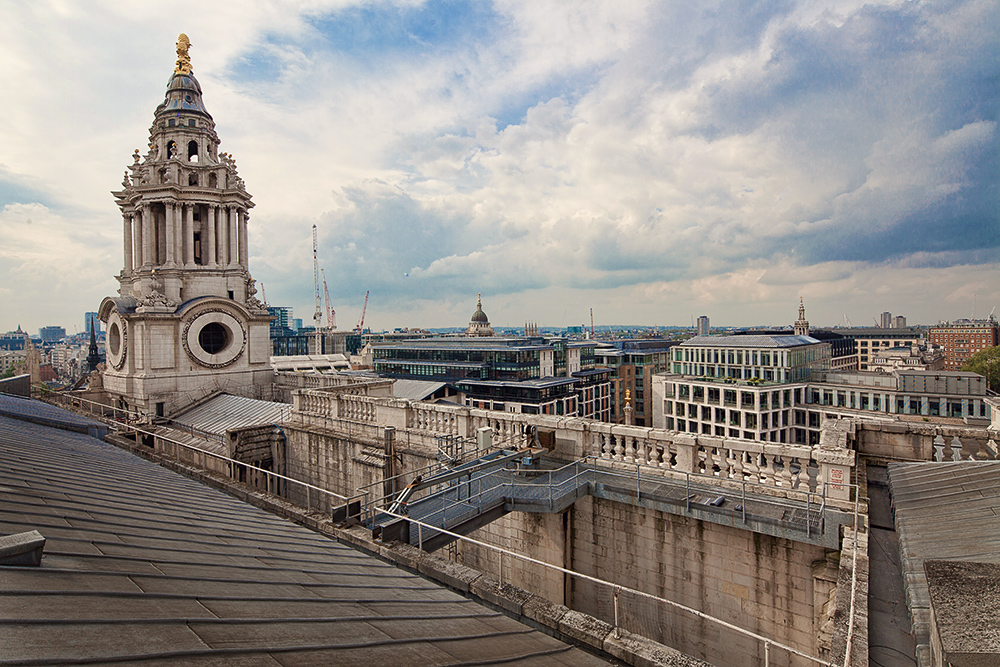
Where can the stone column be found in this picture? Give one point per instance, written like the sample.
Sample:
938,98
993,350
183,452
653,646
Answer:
222,235
232,253
147,235
189,237
127,218
208,249
244,249
170,232
179,235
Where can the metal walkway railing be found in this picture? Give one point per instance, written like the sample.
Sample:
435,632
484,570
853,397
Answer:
461,501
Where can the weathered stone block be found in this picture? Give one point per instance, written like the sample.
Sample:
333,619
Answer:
643,652
585,628
451,574
505,596
22,548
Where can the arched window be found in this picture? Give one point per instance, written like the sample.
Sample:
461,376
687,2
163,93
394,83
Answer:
193,179
192,151
213,180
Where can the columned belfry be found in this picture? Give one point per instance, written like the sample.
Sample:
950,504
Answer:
186,321
801,327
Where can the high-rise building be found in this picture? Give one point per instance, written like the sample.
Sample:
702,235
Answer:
87,319
963,338
899,322
186,320
886,321
703,326
281,318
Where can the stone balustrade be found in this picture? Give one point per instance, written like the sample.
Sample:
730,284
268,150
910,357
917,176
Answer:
776,465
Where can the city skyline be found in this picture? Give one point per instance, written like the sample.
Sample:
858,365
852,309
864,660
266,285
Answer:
652,163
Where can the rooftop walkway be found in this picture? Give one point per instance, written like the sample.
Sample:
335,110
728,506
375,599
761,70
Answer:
497,484
144,566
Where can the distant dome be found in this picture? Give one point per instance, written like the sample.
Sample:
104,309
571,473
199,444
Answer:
480,323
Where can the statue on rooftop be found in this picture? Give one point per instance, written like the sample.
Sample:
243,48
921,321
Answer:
183,59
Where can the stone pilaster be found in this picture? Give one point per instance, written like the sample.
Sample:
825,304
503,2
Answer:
127,219
213,219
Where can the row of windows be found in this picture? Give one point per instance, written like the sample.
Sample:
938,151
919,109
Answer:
799,436
729,397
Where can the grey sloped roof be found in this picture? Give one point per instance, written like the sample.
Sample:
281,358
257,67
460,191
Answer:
749,341
50,415
143,565
415,390
944,511
225,411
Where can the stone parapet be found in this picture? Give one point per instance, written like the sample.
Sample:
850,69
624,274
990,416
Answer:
825,468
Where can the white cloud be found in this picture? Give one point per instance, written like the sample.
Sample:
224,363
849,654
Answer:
584,153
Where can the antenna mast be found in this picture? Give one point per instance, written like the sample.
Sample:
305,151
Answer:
592,334
318,315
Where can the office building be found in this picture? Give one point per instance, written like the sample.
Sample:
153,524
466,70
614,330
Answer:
961,339
869,341
52,334
632,363
703,327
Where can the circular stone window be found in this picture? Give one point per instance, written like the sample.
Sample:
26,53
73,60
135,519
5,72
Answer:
116,341
214,338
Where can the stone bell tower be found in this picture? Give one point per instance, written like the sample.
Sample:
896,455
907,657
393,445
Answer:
186,321
801,327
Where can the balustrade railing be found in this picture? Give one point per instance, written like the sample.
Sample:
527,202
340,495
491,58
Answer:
777,465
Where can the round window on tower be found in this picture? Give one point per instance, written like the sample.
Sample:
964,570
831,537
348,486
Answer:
116,342
114,339
213,338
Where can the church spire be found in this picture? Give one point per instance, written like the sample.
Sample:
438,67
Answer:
802,325
94,356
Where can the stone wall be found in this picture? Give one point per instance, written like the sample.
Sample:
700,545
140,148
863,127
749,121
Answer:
760,583
771,586
907,441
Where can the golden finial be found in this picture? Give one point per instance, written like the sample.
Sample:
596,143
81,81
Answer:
628,397
183,60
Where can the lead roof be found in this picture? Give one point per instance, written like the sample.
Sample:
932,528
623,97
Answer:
144,564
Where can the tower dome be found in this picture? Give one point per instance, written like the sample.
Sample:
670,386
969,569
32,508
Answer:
479,315
183,90
480,324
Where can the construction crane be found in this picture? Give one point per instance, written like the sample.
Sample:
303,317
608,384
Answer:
592,334
331,315
263,294
318,315
361,324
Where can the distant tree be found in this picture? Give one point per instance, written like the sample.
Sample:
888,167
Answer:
986,363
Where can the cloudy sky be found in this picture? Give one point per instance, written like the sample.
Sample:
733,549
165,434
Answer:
654,161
